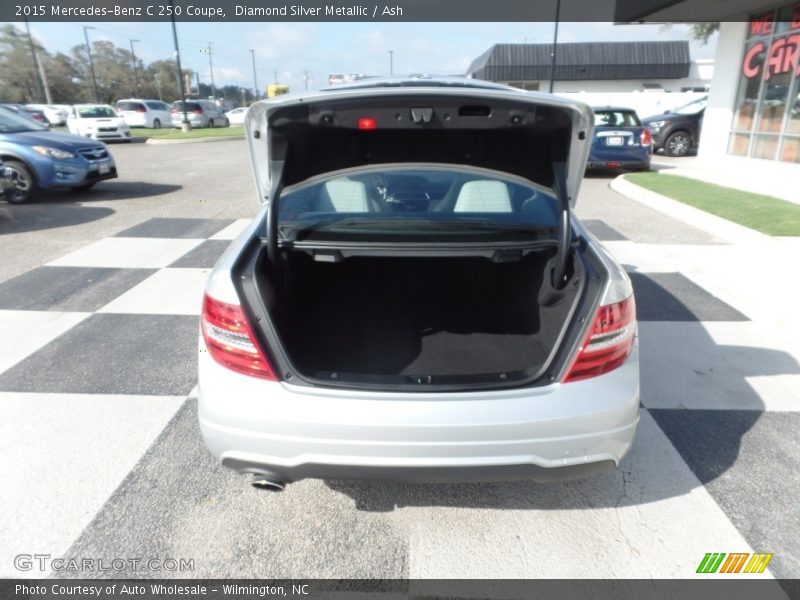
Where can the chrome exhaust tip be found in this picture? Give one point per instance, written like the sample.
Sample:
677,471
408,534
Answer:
267,484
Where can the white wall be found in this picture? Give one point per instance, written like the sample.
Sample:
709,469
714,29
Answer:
719,113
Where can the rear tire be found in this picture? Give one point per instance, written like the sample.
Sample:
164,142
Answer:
25,183
677,144
227,123
156,124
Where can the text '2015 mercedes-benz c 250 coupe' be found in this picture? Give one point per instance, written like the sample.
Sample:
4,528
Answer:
416,299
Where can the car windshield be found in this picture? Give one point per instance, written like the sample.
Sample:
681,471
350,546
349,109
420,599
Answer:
13,123
615,118
96,112
417,203
692,108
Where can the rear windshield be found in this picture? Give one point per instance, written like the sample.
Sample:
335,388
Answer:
189,105
414,202
615,118
130,106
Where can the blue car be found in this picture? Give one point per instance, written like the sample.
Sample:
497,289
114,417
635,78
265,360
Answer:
36,158
620,140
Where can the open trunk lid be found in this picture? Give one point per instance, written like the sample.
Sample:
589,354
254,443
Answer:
539,137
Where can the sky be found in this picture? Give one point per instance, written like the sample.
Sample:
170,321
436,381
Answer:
292,49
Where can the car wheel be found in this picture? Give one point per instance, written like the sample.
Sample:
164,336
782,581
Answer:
227,123
211,122
156,124
678,144
24,182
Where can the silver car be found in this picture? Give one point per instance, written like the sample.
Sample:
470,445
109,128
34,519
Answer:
200,113
416,299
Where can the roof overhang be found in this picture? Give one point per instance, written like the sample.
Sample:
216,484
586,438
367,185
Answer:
685,11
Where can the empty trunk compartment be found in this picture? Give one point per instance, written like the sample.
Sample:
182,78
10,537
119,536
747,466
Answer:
423,320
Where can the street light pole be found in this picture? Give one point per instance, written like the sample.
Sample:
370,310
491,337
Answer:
135,69
555,45
91,62
391,62
185,125
255,79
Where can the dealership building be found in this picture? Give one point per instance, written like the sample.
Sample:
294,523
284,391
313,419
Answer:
595,67
753,114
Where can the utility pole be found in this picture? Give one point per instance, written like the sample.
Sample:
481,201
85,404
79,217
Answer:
91,62
391,62
36,62
185,125
211,70
135,69
43,75
305,80
197,79
275,81
255,79
555,46
158,87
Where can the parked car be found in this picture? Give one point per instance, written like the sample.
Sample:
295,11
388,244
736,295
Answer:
236,116
678,131
99,122
145,113
36,158
37,116
55,115
620,140
201,113
416,298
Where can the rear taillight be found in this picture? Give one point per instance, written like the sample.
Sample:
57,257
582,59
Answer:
198,111
141,109
647,139
173,110
609,342
230,340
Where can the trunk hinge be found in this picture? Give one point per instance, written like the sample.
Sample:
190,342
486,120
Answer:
279,151
564,225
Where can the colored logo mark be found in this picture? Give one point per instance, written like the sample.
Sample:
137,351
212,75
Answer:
742,562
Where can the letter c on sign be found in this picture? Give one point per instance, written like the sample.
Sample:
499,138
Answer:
749,69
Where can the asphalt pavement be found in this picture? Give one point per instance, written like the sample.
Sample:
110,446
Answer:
100,293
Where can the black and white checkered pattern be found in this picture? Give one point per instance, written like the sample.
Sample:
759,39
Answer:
97,376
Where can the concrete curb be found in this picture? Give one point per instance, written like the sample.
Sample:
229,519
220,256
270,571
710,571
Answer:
222,138
716,226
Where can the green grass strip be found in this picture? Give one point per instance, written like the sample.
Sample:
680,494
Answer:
766,214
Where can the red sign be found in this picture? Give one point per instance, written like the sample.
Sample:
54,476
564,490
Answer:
783,57
761,24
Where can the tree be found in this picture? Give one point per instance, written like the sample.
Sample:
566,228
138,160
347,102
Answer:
704,31
113,71
18,78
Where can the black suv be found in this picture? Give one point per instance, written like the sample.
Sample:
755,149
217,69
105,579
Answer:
678,131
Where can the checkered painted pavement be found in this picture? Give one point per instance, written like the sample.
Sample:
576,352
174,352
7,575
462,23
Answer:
102,456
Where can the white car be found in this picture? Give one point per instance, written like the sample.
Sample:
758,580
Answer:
236,116
416,299
99,122
145,113
56,114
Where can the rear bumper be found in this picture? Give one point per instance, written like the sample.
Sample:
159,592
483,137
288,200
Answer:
292,432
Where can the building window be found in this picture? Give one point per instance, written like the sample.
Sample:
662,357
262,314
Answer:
767,110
